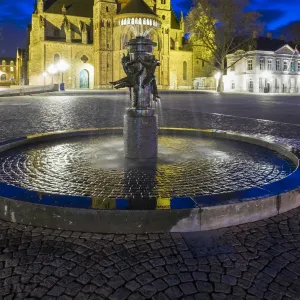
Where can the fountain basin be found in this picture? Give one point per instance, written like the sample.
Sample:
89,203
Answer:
203,179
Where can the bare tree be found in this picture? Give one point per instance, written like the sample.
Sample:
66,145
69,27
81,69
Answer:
222,27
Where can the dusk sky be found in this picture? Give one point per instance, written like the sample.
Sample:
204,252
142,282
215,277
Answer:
279,16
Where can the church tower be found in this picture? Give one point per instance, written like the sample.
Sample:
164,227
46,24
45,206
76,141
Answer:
104,12
163,10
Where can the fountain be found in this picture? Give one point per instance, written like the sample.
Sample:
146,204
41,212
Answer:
151,179
140,121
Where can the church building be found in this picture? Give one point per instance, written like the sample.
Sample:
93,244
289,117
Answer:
89,36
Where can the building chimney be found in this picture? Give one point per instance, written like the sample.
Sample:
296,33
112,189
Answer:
269,35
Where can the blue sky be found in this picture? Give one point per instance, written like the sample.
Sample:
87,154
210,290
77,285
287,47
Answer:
278,15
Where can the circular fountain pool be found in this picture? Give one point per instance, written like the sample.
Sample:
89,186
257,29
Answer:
194,169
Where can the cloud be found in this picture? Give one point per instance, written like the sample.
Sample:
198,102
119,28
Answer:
291,31
268,16
17,12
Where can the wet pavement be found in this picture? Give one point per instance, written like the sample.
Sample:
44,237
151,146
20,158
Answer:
258,260
186,167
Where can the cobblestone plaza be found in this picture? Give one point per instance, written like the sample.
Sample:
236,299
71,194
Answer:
258,260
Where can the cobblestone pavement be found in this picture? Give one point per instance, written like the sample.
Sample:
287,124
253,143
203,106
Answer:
258,260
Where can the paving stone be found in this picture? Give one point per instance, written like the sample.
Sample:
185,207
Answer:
120,294
148,290
188,288
115,282
73,288
173,292
204,287
39,292
89,288
104,291
231,280
222,287
171,280
158,272
132,285
56,291
200,276
99,280
219,296
84,278
160,284
160,296
185,277
269,295
202,296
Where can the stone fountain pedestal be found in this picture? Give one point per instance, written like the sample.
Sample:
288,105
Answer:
140,133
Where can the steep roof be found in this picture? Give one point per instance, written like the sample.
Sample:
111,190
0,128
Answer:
174,21
82,8
136,7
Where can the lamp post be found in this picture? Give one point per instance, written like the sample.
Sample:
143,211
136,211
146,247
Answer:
45,74
52,70
62,66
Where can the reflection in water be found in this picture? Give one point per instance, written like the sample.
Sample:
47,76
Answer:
186,166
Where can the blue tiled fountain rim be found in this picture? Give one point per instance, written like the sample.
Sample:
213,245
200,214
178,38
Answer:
287,184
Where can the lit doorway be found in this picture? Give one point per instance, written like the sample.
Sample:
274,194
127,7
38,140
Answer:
84,79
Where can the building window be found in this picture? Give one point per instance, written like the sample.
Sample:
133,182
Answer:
3,77
250,65
163,17
285,65
298,67
250,85
184,70
203,63
56,58
292,66
277,65
270,63
3,62
163,1
262,64
106,8
56,32
233,85
11,69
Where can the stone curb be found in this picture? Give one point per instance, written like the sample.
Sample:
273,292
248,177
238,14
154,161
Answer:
186,214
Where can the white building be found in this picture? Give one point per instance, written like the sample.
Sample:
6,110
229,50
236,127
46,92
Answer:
270,70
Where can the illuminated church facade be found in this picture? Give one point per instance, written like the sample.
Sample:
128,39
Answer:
87,35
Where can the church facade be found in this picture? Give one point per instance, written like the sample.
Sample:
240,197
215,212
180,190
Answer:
87,35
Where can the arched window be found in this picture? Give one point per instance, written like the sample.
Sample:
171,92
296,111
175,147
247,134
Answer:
172,44
3,77
56,58
184,70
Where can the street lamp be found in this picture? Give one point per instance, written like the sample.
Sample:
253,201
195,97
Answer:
45,74
52,70
62,66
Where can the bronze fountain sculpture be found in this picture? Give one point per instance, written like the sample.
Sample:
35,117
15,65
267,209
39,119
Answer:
140,121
